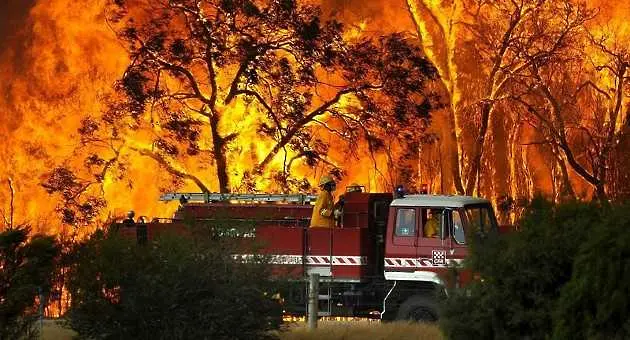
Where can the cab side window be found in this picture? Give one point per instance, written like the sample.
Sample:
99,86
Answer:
458,228
479,218
432,222
406,222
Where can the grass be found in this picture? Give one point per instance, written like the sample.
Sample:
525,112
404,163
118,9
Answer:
53,331
359,330
326,330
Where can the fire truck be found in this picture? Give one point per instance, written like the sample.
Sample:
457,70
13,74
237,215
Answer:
386,257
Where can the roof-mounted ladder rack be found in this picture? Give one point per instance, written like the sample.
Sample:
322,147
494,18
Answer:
218,197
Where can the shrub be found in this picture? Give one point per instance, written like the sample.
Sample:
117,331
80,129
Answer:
521,274
26,267
595,304
174,287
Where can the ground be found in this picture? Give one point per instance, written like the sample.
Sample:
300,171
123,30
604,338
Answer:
333,330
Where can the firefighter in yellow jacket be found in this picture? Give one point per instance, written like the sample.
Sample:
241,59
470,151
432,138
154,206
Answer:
323,216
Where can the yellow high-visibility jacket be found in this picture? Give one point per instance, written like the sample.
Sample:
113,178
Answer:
431,228
323,211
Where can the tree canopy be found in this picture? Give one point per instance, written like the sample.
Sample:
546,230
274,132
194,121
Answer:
208,79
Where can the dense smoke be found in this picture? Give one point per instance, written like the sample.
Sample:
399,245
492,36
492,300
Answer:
14,27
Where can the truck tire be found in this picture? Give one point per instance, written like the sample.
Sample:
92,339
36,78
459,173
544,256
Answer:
418,308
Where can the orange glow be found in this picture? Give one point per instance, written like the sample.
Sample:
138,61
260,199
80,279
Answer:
62,58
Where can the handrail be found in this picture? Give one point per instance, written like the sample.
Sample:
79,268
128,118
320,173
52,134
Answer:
218,197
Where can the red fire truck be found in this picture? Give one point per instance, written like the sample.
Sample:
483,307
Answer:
385,257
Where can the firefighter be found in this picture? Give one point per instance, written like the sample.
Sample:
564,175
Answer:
129,220
432,224
323,211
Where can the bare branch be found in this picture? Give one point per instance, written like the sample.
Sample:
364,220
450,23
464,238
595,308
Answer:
171,168
589,83
293,130
12,211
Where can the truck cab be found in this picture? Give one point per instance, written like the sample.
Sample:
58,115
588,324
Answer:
426,234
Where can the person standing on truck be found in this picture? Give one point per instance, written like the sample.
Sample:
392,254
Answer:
324,205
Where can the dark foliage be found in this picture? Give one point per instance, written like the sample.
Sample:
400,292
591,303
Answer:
77,207
521,274
175,287
595,304
26,267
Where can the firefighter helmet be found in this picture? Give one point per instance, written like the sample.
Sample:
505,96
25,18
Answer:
325,180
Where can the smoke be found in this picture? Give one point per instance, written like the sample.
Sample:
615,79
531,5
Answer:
13,18
14,27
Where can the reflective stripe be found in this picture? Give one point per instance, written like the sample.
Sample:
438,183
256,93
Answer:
337,260
408,262
312,260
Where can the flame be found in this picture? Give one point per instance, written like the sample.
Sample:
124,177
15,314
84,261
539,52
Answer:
61,58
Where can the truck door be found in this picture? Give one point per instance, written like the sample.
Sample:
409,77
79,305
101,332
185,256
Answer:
458,247
405,233
458,240
432,244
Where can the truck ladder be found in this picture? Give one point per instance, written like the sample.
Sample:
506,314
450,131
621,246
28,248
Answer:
325,298
218,197
325,294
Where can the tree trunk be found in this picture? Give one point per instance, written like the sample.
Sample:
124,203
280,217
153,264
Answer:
453,153
564,189
475,163
439,56
218,148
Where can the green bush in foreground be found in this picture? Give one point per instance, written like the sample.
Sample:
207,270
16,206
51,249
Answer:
522,274
595,304
26,267
174,287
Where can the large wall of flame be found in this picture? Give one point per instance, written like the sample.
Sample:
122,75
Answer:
58,60
59,57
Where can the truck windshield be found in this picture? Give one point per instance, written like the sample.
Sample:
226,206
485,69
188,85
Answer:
480,218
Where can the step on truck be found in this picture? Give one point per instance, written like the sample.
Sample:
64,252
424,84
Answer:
385,258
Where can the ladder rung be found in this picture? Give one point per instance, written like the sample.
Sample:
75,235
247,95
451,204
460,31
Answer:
324,297
323,313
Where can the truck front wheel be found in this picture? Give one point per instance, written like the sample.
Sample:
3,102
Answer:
418,308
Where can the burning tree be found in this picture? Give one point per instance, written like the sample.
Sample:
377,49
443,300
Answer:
207,78
577,102
480,78
525,80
